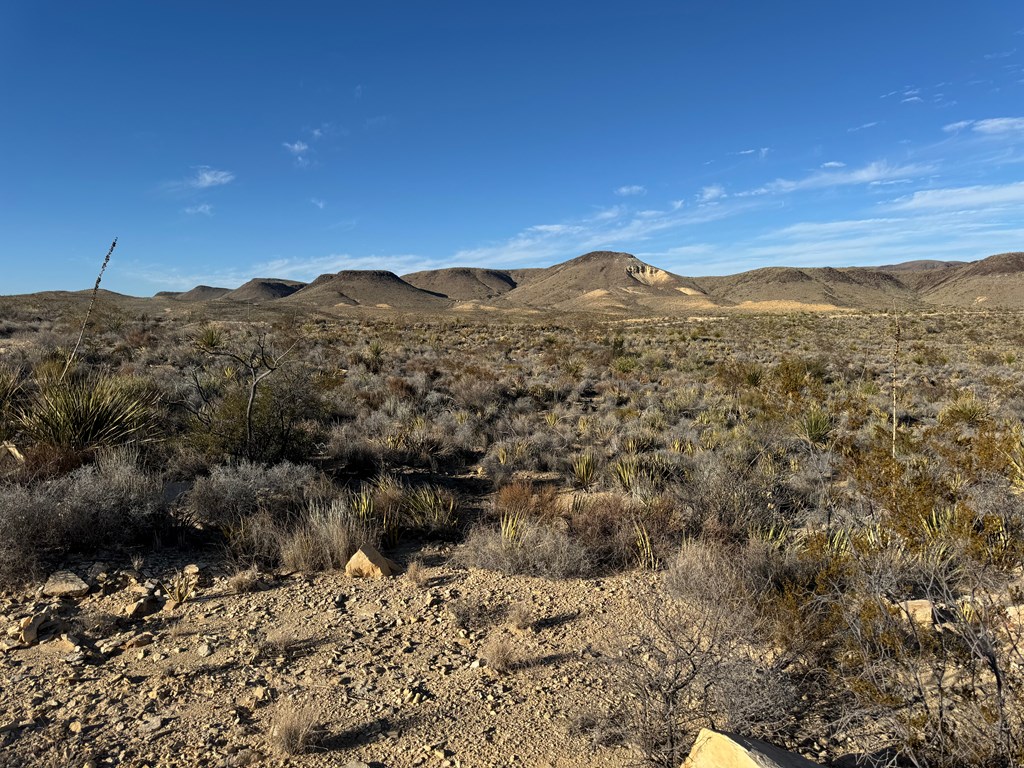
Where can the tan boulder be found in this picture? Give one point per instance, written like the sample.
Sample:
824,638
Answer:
713,749
921,612
368,563
65,584
29,627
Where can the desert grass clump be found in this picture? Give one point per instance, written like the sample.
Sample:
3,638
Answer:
416,574
244,581
528,547
294,728
499,652
325,538
520,617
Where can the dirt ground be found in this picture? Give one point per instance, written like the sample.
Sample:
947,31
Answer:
393,673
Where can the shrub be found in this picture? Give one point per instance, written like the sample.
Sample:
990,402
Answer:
535,549
235,492
697,660
110,504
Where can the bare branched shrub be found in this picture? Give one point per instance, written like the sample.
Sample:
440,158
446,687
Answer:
697,661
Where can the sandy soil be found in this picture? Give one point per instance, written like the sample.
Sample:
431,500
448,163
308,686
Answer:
396,674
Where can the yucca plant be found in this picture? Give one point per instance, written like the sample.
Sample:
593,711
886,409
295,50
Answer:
10,388
512,528
431,508
815,427
81,416
627,471
965,408
645,558
1015,459
584,470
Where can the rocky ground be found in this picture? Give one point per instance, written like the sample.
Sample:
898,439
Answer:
447,667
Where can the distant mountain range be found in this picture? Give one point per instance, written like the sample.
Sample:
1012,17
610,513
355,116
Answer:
619,283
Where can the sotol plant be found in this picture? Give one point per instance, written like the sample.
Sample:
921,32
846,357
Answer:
83,415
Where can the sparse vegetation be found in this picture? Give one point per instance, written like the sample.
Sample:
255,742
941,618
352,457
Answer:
786,506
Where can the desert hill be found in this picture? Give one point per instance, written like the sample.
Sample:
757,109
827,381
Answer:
366,288
203,293
919,265
852,287
462,283
263,289
611,282
606,281
996,282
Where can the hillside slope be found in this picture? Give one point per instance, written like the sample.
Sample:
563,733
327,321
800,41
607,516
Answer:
996,282
264,289
462,283
365,288
606,281
820,287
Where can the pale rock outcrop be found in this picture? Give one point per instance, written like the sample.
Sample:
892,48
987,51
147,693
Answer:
713,749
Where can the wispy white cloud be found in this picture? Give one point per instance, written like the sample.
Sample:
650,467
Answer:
999,125
1000,54
317,202
207,177
833,164
993,126
711,192
296,148
958,126
631,190
611,228
357,92
823,179
203,209
959,198
864,126
204,177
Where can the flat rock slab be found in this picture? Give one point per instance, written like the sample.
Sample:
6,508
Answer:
65,584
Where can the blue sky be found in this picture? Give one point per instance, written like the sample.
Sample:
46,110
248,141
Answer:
222,141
